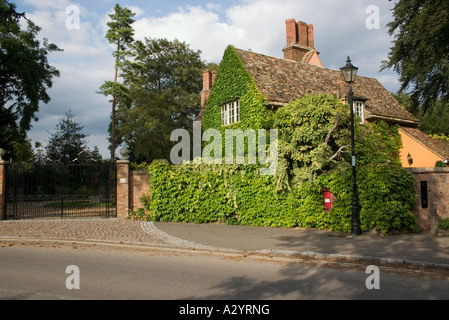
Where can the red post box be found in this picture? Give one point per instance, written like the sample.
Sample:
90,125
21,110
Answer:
327,196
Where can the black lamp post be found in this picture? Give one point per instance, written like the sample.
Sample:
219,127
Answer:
349,74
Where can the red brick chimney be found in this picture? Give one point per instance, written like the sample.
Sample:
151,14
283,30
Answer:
208,82
300,43
299,33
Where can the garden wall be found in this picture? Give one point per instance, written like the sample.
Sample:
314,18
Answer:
131,185
432,185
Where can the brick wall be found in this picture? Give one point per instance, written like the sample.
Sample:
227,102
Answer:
122,189
131,185
295,53
436,181
139,186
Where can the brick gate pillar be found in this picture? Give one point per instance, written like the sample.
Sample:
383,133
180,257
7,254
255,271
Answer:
123,186
3,164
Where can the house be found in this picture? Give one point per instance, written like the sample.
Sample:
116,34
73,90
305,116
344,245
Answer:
248,85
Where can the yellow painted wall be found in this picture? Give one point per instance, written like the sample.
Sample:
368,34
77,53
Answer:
422,157
315,60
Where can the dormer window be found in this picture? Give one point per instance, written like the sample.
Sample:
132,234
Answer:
230,113
359,110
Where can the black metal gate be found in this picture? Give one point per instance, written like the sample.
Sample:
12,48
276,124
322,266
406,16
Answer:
54,190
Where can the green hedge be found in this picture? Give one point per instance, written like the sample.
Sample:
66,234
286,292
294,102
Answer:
233,194
237,194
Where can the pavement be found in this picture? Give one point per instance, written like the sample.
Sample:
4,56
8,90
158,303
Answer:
420,250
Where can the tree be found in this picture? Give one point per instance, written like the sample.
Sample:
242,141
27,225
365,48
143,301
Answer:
164,81
434,121
68,143
25,76
420,52
121,35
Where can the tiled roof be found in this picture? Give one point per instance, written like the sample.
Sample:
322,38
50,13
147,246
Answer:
282,81
437,146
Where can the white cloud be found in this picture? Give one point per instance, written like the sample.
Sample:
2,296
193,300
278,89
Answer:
84,42
196,26
84,65
48,4
214,6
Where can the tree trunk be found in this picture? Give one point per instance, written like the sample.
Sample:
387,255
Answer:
114,104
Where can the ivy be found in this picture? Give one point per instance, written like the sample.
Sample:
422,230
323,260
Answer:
233,194
444,224
313,137
234,82
237,194
386,194
312,131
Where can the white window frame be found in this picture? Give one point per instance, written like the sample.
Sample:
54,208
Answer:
230,113
359,110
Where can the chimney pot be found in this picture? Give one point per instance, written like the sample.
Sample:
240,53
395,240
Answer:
300,43
207,80
292,32
310,40
303,33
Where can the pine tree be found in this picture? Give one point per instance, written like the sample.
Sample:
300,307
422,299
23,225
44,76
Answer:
68,143
121,35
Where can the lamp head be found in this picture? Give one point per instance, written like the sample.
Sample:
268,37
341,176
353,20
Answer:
349,72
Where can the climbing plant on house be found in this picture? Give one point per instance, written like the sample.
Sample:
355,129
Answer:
314,134
314,140
234,82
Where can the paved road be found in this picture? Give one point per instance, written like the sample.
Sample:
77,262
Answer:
122,273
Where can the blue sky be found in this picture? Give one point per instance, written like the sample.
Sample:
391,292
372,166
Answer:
209,26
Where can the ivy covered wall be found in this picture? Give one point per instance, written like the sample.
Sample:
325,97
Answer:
238,194
234,82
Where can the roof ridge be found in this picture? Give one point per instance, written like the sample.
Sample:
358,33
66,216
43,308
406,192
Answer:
282,81
298,62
